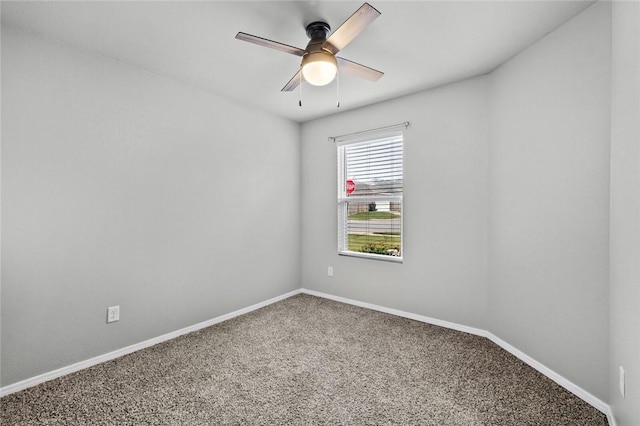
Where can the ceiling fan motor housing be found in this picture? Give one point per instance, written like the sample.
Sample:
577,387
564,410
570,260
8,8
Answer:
318,33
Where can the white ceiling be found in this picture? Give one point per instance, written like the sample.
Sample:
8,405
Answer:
418,44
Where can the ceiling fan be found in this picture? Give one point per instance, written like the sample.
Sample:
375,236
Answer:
319,61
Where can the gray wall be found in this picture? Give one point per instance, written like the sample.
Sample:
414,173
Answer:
444,274
120,187
549,209
625,212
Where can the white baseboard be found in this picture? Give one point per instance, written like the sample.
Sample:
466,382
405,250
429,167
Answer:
568,385
398,313
18,386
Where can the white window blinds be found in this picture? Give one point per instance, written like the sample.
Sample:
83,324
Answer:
370,189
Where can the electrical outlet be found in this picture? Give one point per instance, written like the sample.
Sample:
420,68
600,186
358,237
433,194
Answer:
622,381
113,314
330,271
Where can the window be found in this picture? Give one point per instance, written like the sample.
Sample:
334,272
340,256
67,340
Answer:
370,181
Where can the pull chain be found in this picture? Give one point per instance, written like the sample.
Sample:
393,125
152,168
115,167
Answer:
338,88
300,99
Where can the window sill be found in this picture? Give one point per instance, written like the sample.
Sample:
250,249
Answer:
384,258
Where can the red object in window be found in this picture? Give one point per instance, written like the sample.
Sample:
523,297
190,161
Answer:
351,186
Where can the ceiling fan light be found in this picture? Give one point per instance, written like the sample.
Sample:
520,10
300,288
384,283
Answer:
319,68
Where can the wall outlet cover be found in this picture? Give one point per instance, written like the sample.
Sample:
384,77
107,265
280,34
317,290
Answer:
113,314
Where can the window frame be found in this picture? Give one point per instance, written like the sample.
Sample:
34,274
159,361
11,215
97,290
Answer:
343,199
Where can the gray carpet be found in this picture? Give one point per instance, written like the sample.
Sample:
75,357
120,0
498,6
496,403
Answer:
306,361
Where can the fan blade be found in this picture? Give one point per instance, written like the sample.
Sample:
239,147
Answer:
270,43
358,70
293,83
351,28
